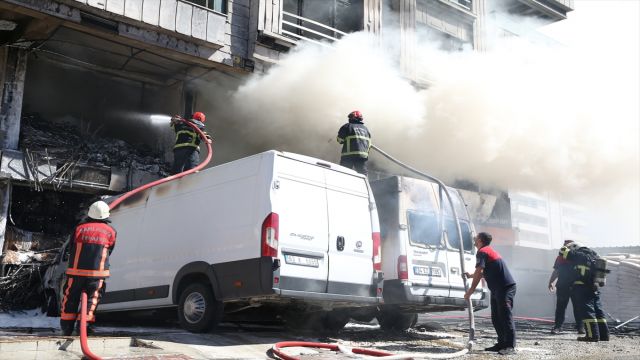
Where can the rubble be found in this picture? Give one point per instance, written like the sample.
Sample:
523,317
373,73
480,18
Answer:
21,286
46,141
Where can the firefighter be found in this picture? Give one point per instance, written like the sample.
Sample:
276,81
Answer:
560,282
356,141
585,294
186,151
489,264
88,266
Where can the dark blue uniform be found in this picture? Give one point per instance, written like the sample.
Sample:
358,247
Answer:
503,291
186,151
585,295
356,141
563,292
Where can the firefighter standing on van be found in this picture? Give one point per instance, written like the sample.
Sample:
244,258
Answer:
186,151
585,295
356,141
489,264
88,266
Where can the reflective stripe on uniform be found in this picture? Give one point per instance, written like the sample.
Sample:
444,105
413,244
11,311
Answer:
64,315
94,302
82,272
583,269
356,137
587,326
193,136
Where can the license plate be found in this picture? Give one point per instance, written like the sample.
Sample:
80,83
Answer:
301,260
427,271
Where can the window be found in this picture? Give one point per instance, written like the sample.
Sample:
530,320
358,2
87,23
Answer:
452,234
424,228
344,15
215,5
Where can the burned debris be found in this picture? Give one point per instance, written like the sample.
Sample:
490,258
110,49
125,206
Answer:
62,167
74,142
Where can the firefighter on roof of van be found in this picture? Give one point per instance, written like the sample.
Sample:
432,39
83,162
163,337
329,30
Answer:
585,295
356,142
489,264
88,266
186,151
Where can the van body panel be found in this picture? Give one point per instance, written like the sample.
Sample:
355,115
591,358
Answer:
301,203
215,217
414,224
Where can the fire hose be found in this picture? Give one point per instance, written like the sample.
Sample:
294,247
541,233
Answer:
472,326
277,348
83,314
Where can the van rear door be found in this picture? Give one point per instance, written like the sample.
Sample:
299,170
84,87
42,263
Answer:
301,204
350,235
426,256
453,243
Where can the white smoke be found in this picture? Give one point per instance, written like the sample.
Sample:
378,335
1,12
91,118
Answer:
522,116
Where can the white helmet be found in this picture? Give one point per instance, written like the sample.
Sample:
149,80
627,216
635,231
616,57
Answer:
99,210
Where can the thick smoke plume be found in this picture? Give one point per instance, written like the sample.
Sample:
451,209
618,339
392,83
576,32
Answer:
520,116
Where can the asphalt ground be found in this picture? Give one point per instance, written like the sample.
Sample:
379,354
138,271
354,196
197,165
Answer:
434,334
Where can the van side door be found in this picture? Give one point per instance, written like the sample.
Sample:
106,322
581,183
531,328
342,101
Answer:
350,235
301,203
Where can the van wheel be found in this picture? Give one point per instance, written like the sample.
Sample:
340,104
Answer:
198,310
391,320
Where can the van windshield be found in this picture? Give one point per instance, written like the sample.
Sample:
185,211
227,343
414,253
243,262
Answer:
424,228
452,234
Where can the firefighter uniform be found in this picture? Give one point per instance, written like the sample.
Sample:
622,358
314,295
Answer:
585,296
87,270
356,142
186,151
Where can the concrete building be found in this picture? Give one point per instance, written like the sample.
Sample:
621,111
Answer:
75,71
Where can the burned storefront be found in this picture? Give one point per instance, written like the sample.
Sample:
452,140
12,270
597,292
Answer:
80,87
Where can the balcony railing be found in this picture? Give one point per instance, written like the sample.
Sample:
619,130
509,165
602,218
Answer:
301,28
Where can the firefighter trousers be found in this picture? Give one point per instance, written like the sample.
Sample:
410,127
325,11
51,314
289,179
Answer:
502,316
356,163
590,309
563,295
185,158
72,292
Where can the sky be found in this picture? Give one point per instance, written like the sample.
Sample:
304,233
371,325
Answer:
524,116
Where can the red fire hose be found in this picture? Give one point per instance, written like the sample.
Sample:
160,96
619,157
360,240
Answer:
84,344
333,347
117,201
83,317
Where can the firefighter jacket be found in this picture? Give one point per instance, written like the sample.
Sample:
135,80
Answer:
186,136
355,139
92,244
581,260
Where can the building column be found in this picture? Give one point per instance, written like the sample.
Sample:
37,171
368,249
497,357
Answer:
13,64
5,191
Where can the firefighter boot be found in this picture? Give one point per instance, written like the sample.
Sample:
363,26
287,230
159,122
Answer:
67,327
603,329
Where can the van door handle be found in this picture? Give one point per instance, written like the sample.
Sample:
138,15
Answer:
340,243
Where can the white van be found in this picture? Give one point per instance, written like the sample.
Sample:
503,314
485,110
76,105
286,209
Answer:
420,250
278,229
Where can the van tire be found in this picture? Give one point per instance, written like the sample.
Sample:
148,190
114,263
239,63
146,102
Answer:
393,320
334,321
198,310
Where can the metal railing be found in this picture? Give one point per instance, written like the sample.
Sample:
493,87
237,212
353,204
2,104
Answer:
318,34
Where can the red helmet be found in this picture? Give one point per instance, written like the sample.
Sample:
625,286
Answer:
199,116
357,115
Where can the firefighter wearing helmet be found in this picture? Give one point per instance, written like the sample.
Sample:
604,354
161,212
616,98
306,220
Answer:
356,142
186,151
88,265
